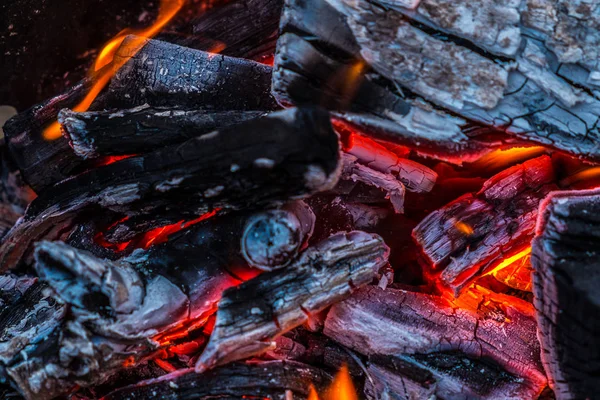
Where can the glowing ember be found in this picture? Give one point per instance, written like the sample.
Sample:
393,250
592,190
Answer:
463,228
161,234
168,9
582,177
510,260
504,158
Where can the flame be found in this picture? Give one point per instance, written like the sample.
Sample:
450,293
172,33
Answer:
101,76
510,260
341,387
312,393
503,158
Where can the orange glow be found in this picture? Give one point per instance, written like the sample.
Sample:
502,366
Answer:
129,362
312,393
503,158
510,260
161,234
112,159
463,228
167,366
342,387
168,9
582,176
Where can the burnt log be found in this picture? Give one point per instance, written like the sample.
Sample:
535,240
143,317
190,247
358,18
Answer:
296,154
100,133
472,234
422,329
251,315
565,280
277,380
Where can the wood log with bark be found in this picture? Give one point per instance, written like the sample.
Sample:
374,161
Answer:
297,154
565,280
431,335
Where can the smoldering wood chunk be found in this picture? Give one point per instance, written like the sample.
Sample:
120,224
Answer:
472,234
251,315
99,133
296,154
565,280
272,379
164,74
416,325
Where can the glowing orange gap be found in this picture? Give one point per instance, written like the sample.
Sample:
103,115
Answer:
510,260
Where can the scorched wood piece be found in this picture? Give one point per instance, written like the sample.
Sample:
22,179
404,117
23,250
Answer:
472,234
277,380
420,327
164,74
250,316
141,129
565,258
296,154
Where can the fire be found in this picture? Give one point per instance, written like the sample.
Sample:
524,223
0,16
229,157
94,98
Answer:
463,228
510,260
101,76
504,158
589,174
341,388
312,393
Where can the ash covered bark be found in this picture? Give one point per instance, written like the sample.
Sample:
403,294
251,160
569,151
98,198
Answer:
277,380
470,235
567,274
432,334
296,154
99,133
252,315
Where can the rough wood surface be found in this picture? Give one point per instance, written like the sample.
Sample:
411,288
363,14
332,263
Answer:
472,234
567,274
417,325
100,133
296,154
251,315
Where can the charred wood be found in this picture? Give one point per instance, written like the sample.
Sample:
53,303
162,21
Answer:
565,280
470,235
141,129
421,327
297,154
251,315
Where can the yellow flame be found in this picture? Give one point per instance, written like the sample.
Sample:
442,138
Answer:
342,387
508,261
168,9
312,393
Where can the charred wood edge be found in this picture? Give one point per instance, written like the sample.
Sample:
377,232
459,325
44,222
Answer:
271,379
565,281
163,74
271,239
413,325
14,192
251,315
394,189
141,129
500,219
526,98
296,154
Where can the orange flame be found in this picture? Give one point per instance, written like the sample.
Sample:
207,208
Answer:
463,228
312,393
510,260
168,9
503,158
341,388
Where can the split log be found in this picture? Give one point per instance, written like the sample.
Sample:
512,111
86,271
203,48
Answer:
434,334
141,129
251,315
565,281
277,380
472,234
296,154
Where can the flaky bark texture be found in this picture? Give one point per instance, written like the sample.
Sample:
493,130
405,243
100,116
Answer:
565,285
473,233
251,315
419,326
296,154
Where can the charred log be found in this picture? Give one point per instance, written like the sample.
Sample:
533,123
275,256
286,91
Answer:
252,315
567,273
141,129
296,154
419,326
470,235
273,379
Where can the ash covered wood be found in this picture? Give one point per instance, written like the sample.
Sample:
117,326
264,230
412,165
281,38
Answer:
565,282
296,154
100,133
424,329
473,233
251,315
277,380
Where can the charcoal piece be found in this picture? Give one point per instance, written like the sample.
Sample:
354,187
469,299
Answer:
14,192
483,326
163,74
272,238
565,280
394,189
277,380
251,315
396,378
141,129
472,234
296,154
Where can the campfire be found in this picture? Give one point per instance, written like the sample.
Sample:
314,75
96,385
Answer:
308,199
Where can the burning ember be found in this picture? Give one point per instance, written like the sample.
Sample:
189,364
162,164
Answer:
317,199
